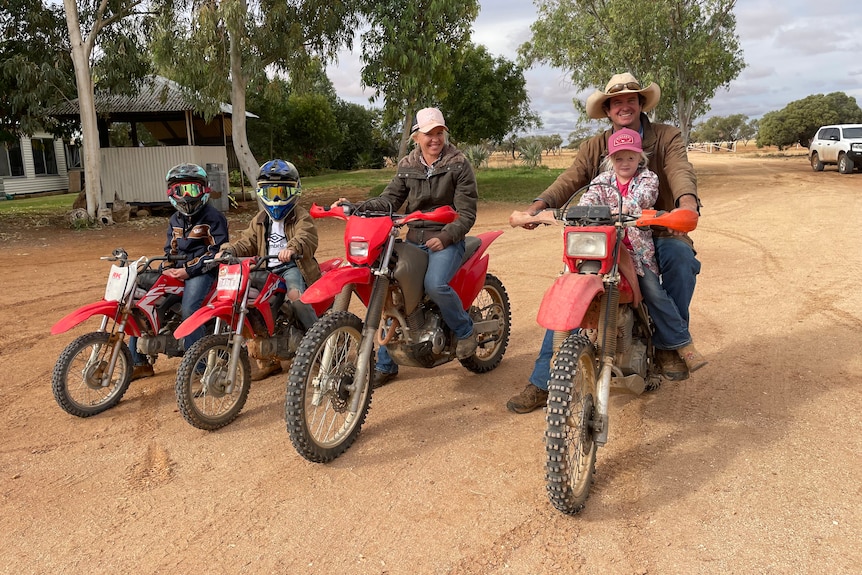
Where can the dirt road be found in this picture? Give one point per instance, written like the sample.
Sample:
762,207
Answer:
751,466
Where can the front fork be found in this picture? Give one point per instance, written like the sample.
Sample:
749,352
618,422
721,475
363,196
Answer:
113,340
607,343
369,331
235,342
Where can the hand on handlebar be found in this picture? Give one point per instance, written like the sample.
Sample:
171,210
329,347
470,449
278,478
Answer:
286,255
178,273
535,208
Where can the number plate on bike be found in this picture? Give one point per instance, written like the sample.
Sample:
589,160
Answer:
229,278
120,282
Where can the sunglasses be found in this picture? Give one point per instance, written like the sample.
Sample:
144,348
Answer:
277,193
624,86
187,190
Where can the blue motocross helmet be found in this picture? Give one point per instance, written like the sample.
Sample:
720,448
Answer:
278,188
188,188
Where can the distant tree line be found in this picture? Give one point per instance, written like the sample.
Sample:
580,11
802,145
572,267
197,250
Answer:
795,124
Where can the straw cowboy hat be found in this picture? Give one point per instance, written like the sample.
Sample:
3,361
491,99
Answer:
622,84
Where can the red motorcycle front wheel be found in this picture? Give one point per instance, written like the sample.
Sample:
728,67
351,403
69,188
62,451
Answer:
206,396
83,382
322,386
569,443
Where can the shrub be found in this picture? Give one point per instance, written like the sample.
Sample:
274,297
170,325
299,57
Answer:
477,156
531,153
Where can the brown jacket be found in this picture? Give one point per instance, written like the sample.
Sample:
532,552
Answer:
667,158
451,183
301,238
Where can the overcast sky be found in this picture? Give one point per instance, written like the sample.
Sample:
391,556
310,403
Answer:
792,48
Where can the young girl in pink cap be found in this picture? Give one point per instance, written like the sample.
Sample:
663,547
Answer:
624,169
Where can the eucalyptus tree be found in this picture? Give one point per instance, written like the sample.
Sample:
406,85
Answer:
689,47
218,48
410,52
108,46
799,120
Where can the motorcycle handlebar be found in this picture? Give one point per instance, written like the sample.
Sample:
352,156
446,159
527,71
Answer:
442,215
120,255
680,220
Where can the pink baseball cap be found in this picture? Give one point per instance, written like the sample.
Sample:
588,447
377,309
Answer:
624,139
427,119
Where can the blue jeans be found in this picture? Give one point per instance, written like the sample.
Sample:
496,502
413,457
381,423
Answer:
667,303
293,279
671,330
442,266
194,292
679,268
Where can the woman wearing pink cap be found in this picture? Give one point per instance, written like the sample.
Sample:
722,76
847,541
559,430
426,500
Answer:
434,174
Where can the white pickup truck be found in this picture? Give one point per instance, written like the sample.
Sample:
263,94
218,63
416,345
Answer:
839,144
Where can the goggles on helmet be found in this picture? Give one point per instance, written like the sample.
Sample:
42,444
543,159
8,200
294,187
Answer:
273,193
186,190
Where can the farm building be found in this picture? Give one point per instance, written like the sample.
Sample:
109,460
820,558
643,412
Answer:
34,164
142,136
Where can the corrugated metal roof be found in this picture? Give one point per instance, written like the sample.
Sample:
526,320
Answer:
156,94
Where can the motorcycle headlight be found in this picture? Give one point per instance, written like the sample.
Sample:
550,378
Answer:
586,245
359,249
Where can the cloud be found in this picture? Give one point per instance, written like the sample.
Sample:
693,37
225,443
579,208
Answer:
792,48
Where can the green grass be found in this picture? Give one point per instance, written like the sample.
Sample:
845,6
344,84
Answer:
514,185
38,205
357,179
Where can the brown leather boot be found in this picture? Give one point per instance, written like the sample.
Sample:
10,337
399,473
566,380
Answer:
264,368
531,398
141,371
692,358
671,364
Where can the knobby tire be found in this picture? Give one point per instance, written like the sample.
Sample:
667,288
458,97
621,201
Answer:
569,445
202,394
492,302
318,397
75,380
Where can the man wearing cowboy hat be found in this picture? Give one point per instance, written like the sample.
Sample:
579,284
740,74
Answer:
624,102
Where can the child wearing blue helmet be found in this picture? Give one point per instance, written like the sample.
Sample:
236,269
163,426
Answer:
286,230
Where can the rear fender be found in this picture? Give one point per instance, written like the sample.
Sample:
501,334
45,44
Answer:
567,300
330,285
469,280
103,307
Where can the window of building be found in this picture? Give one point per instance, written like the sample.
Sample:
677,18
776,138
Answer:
73,156
11,161
44,158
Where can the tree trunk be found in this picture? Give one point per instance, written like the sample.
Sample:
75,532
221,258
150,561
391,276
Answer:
247,161
405,134
87,110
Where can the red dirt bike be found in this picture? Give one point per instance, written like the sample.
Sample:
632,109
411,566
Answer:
252,317
94,371
329,385
598,297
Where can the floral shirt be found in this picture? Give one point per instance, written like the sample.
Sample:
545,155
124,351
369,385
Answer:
642,193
